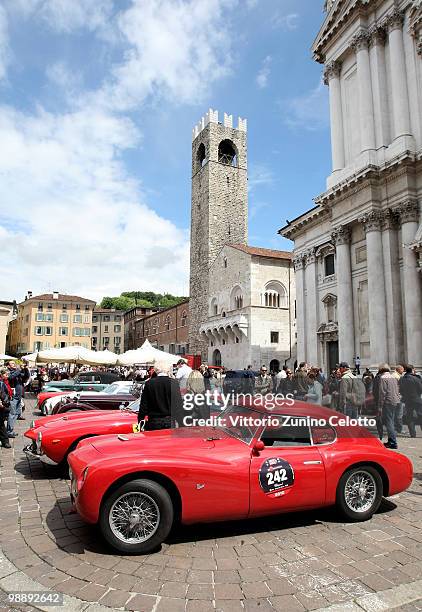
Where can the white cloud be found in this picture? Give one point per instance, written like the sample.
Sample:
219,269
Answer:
310,111
176,50
286,22
264,73
72,217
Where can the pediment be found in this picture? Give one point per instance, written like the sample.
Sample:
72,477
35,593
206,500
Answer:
337,13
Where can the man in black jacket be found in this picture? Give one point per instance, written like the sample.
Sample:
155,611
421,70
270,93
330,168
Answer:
4,407
161,401
411,391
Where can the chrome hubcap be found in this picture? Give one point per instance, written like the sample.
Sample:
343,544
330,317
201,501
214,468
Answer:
134,517
360,491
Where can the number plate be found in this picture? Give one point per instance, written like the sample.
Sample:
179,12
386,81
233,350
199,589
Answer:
275,474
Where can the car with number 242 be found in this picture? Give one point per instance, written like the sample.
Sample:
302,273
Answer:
254,462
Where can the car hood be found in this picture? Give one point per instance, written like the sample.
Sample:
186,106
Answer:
183,440
91,416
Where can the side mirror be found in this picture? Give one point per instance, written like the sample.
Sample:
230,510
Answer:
258,447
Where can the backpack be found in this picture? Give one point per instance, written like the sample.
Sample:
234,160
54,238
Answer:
356,396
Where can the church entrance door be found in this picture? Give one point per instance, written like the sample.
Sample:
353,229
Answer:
332,355
216,357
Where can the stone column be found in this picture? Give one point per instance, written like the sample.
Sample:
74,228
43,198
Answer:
299,264
332,78
376,288
379,85
360,44
393,293
401,113
412,292
345,315
311,307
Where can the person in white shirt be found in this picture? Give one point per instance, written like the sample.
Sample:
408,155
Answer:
182,374
278,377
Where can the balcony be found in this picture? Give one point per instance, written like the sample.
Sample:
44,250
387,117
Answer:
224,330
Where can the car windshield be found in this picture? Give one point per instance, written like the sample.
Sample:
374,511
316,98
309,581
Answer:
239,422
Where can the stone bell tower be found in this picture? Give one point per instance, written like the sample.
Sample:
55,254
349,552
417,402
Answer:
219,214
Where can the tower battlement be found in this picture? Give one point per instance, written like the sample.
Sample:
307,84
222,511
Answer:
211,116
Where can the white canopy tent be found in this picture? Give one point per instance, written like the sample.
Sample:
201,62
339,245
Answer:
72,354
146,354
105,357
31,358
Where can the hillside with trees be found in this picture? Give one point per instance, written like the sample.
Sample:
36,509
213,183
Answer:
147,299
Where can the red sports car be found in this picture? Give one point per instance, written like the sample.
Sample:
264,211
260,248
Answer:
254,462
44,396
54,437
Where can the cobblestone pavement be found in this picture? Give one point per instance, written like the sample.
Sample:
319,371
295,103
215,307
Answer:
305,561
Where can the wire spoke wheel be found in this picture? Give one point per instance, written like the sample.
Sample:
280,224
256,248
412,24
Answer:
134,517
360,491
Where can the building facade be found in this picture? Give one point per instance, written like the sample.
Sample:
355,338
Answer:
219,207
130,318
166,329
8,311
357,251
51,320
108,330
251,318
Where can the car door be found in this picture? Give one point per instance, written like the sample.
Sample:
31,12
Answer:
289,472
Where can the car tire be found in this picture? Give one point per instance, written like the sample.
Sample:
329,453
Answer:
359,493
159,505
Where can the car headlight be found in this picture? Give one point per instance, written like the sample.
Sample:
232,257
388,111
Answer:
84,475
74,487
32,424
39,441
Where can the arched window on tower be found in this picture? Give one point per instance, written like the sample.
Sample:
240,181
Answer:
201,156
275,295
227,153
236,298
214,307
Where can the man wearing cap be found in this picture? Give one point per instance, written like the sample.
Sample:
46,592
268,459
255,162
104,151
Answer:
182,374
301,381
388,402
351,392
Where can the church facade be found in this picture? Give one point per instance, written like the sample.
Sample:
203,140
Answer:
242,298
357,252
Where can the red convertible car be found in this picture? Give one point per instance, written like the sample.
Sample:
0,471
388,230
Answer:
54,437
255,462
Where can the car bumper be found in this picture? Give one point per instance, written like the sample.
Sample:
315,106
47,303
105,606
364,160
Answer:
31,451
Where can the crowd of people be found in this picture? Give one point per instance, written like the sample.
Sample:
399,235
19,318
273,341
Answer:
13,380
392,395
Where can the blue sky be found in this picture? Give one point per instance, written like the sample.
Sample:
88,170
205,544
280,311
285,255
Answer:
98,101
